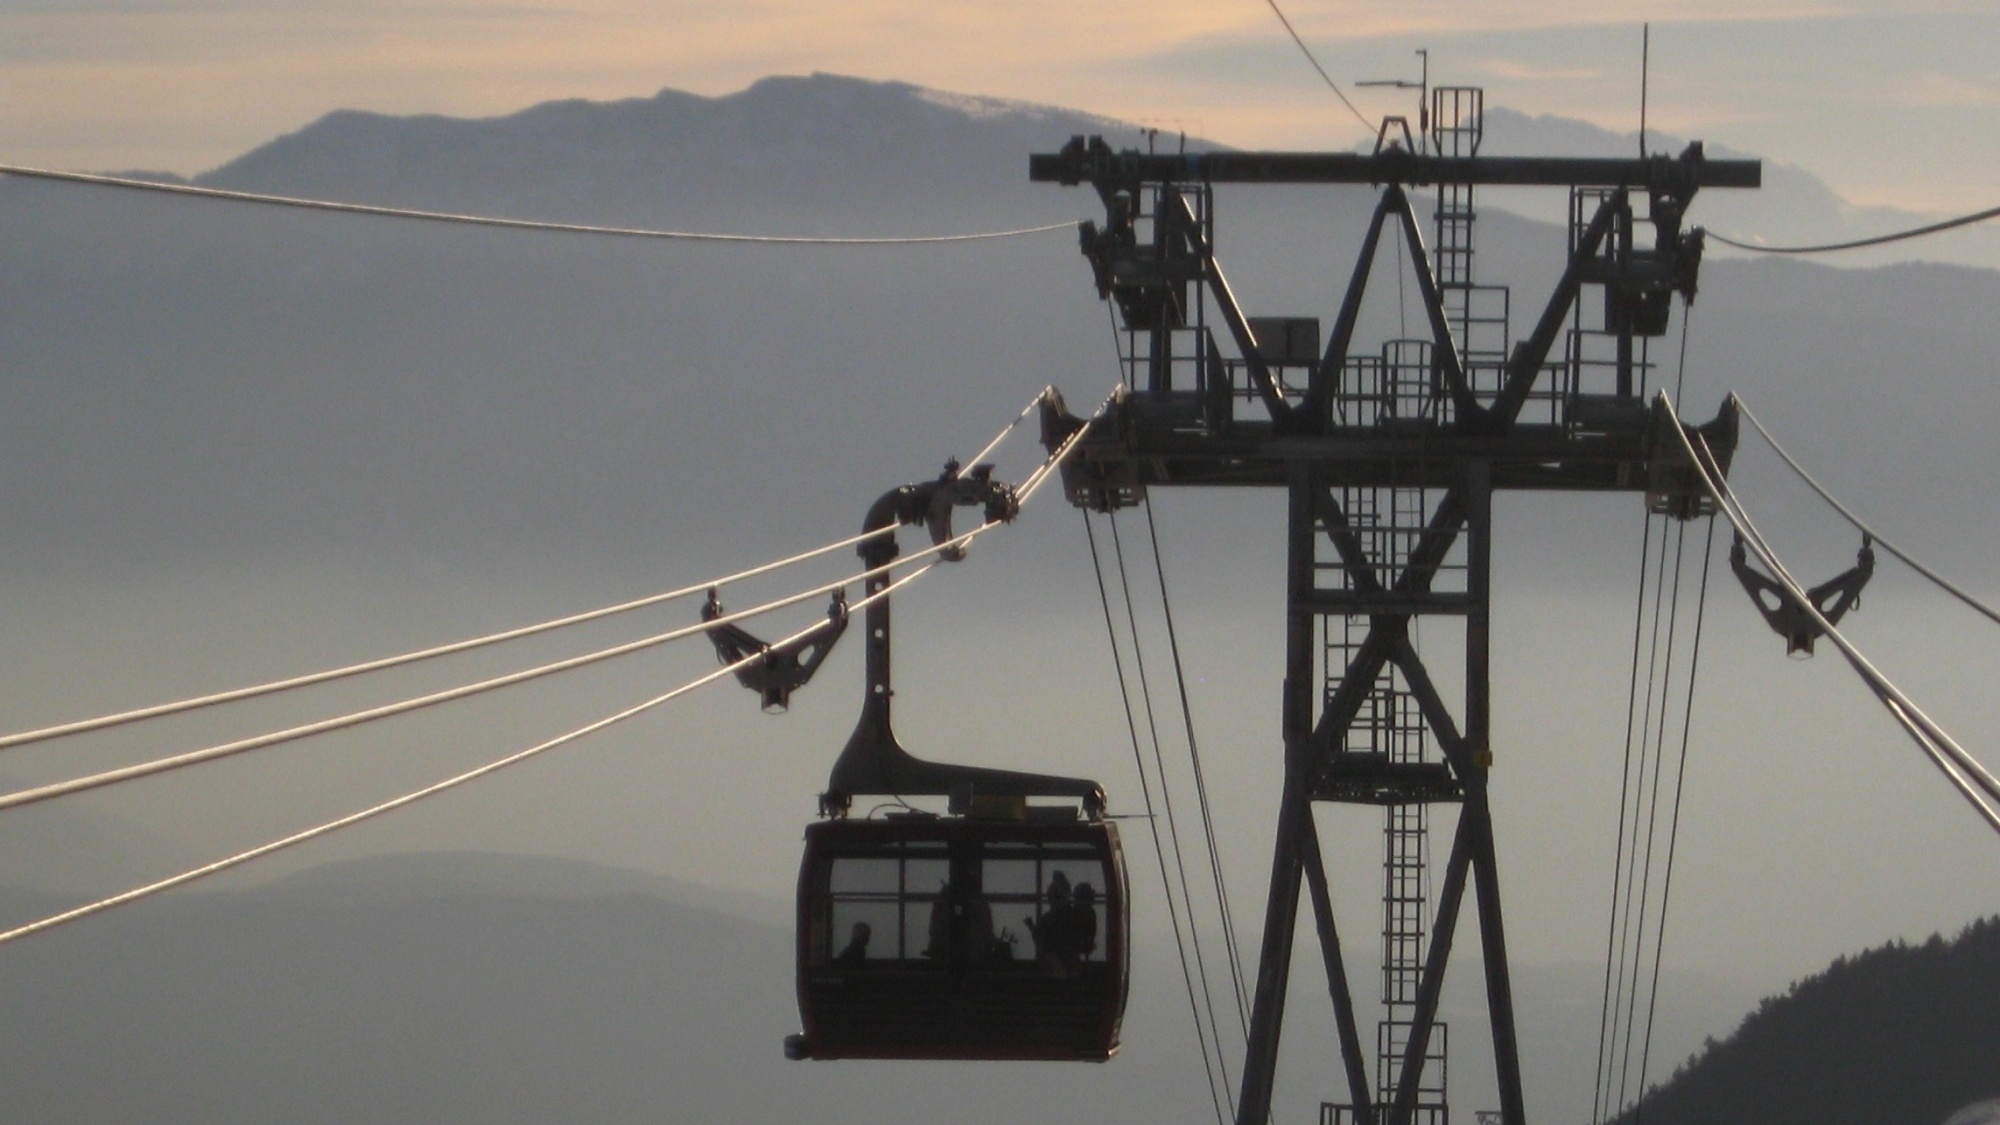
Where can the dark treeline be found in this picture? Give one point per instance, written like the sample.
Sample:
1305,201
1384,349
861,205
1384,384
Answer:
1901,1035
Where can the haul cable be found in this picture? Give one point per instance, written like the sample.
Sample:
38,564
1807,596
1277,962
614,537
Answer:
1201,787
1152,823
194,757
1167,796
158,710
1973,781
1674,826
453,782
1990,613
1314,60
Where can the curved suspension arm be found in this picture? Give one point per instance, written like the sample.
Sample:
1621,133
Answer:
874,761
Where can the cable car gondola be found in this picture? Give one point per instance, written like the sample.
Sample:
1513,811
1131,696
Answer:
960,938
994,930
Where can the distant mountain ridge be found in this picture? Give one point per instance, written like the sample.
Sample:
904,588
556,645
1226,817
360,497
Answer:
826,139
819,140
1794,207
494,997
428,875
830,141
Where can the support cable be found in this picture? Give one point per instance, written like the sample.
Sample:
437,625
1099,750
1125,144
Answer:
158,710
1041,396
1049,466
193,757
508,224
1608,1013
1645,866
1880,239
124,717
1973,781
1935,735
1152,821
1620,1047
1990,613
453,782
1201,787
1167,798
1606,1018
1674,825
1314,60
1680,772
1958,766
39,793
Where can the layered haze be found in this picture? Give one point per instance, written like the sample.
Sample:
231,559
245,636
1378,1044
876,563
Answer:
242,442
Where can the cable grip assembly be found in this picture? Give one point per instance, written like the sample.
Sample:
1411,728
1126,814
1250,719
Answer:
784,668
1785,614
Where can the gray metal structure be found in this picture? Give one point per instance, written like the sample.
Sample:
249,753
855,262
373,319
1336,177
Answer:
1390,459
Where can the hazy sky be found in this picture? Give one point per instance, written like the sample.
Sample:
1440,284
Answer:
1816,831
1892,101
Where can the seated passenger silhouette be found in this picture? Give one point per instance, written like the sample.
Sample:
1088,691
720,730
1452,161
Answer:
856,950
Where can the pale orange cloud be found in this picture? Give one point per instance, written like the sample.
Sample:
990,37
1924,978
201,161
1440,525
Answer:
183,85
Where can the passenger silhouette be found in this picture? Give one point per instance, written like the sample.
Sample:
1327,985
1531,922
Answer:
981,943
939,948
1055,930
1083,925
856,950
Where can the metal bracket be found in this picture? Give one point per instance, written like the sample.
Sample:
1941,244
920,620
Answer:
784,668
1384,141
1784,613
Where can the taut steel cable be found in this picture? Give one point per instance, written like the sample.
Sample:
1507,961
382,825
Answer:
1152,822
1990,613
258,852
158,710
258,742
1973,781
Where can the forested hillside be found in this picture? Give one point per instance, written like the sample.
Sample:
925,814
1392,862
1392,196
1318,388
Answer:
1900,1035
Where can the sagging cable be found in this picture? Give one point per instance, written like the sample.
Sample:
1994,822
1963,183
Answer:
1858,243
191,190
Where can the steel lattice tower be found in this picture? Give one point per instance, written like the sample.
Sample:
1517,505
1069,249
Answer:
1389,458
